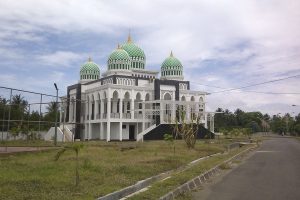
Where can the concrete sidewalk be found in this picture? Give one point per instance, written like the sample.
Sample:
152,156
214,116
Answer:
8,150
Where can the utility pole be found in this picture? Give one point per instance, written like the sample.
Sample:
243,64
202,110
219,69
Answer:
55,133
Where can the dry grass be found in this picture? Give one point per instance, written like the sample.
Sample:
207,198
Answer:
104,168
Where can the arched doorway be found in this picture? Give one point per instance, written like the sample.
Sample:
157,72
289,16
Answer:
168,108
115,105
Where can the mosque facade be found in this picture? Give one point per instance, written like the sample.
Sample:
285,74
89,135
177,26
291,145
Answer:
128,101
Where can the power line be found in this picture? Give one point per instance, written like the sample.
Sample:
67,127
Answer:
256,84
262,83
275,93
251,91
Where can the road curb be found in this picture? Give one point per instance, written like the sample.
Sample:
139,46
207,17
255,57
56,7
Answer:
198,180
147,182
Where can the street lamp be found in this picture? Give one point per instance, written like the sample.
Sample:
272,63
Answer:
55,133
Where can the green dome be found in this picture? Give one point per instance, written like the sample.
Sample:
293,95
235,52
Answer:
118,59
89,71
171,68
119,54
136,54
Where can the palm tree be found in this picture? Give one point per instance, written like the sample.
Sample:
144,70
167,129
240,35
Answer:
75,147
52,107
19,100
18,108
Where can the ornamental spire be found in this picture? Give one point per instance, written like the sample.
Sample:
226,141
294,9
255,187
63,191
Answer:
118,46
171,54
129,37
89,59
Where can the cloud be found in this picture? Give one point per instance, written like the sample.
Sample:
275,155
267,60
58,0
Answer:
223,43
60,58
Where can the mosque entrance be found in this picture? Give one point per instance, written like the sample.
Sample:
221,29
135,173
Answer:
131,132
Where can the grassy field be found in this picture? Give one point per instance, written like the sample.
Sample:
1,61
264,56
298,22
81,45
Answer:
104,168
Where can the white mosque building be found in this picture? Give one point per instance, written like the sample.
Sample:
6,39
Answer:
128,101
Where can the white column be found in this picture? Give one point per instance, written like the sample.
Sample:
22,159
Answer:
101,130
121,135
90,110
173,110
197,109
121,108
89,121
96,108
143,113
162,110
205,119
90,132
132,107
188,113
108,119
108,131
86,110
101,108
211,123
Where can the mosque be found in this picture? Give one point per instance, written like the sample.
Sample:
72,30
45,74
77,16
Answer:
128,101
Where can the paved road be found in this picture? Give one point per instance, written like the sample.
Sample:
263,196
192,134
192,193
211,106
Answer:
272,173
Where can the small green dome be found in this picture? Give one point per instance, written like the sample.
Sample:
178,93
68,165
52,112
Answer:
172,68
136,54
89,71
119,59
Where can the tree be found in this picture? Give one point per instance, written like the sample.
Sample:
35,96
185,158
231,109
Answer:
297,129
170,140
188,131
3,113
52,108
15,131
75,147
18,107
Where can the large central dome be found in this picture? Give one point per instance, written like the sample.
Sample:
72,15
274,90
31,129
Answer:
137,55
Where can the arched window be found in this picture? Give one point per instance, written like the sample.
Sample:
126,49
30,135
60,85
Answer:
128,107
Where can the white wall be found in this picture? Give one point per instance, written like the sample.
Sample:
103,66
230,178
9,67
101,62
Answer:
125,132
167,87
142,82
95,131
114,131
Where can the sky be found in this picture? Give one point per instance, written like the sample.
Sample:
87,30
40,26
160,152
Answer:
223,43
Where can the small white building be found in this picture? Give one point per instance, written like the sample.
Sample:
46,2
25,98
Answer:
128,101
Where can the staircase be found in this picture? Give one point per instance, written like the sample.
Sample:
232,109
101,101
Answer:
140,136
68,135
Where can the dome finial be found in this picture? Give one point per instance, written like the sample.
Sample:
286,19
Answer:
89,59
171,54
118,46
129,37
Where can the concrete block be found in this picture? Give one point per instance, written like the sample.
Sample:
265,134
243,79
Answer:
169,196
191,185
184,188
197,181
202,178
176,192
206,176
